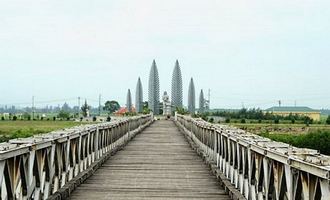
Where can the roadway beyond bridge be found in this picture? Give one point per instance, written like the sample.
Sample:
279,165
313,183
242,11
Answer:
157,164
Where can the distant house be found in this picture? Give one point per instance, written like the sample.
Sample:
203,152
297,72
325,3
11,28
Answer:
299,110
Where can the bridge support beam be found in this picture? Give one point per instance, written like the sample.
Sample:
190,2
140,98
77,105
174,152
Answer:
257,167
40,167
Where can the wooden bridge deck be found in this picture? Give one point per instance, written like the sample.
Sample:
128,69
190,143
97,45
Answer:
157,164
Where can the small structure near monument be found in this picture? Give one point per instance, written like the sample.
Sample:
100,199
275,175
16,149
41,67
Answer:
166,105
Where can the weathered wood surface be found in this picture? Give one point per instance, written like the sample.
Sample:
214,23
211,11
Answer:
156,164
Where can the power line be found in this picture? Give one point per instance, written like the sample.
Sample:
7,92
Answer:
40,102
48,101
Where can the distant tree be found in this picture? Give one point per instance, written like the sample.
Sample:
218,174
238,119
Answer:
145,104
66,107
227,120
276,121
111,106
26,116
161,111
63,114
2,118
308,121
255,114
94,119
181,111
146,109
14,118
328,120
243,121
85,108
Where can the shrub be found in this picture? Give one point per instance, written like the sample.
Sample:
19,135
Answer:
14,118
319,140
26,116
328,120
94,119
2,118
308,121
211,120
227,120
63,114
243,121
108,119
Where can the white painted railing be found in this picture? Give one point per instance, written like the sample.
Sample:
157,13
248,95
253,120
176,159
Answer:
259,167
37,167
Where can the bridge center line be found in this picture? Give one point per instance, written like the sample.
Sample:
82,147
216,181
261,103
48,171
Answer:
157,164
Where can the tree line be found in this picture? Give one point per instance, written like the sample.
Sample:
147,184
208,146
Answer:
258,114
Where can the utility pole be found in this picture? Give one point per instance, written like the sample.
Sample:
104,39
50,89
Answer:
32,108
209,98
99,104
78,111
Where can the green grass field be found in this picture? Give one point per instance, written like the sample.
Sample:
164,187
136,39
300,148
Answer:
20,129
280,128
314,136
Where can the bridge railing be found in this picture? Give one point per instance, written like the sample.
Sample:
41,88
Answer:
37,167
259,167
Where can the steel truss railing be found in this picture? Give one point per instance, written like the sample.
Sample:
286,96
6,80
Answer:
37,167
259,167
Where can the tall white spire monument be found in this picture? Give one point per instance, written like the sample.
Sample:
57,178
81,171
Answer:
201,102
153,93
129,101
176,92
191,97
139,97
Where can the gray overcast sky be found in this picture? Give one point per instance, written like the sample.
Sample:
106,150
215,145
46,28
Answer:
251,51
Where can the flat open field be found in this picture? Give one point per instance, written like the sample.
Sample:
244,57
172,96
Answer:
17,129
259,128
314,136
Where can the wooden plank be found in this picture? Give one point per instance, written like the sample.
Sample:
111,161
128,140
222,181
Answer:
156,164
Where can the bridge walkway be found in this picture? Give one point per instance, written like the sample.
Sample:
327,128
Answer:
157,164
